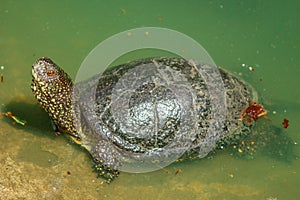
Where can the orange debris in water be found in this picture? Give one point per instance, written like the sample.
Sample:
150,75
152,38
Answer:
253,112
16,119
285,123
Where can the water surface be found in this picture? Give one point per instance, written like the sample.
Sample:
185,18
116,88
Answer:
36,164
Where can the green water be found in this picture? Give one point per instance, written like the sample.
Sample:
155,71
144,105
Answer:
36,164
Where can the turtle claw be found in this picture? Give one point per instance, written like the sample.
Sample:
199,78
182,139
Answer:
106,173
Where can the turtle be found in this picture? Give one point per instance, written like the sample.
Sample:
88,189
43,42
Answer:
152,110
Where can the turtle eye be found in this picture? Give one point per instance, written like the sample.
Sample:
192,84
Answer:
50,72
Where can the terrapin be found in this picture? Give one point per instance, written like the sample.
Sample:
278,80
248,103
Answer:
152,110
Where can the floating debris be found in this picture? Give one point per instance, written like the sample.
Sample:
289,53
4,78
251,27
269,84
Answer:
159,18
165,170
253,112
1,76
178,171
16,119
285,123
249,67
123,11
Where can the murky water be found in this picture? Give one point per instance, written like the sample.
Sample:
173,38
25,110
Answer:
36,164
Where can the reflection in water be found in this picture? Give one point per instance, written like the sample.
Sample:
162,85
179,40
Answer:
43,165
265,140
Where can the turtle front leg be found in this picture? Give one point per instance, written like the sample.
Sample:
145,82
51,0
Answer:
106,162
105,172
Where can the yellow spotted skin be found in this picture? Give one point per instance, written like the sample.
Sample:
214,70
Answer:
53,88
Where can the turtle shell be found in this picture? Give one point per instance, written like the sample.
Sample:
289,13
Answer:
157,110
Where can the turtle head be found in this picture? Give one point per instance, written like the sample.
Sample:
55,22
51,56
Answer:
53,88
50,77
